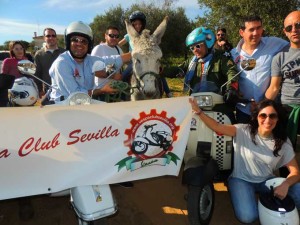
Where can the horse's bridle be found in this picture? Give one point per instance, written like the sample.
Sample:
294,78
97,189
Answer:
157,77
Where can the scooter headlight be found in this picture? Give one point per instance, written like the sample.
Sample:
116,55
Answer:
80,99
204,100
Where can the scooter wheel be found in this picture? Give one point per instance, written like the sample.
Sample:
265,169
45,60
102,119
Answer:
200,204
102,221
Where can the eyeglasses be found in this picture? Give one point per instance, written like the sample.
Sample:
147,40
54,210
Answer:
198,46
50,35
221,35
272,116
79,40
289,28
116,36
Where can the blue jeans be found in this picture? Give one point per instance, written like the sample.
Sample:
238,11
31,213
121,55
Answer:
244,200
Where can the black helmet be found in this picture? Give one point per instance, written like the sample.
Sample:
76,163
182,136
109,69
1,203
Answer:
138,15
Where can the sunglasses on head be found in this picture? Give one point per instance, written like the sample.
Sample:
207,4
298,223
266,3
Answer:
113,36
198,46
289,28
50,35
272,116
79,40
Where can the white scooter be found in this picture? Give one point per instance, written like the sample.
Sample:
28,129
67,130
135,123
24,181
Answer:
93,203
208,155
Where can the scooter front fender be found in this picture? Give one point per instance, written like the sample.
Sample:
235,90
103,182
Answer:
198,172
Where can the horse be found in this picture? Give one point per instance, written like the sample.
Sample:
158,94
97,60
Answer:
146,55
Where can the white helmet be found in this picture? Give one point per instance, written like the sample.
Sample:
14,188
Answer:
275,211
24,92
81,29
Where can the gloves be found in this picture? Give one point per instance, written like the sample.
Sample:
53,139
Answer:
231,96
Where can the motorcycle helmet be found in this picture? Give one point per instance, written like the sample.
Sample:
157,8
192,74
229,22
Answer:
275,211
81,29
24,92
138,15
201,34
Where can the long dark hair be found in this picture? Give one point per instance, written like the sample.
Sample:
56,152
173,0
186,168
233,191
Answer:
280,130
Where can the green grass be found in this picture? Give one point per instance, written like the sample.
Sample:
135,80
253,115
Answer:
176,86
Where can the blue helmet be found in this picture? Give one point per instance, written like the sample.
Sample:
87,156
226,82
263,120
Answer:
201,34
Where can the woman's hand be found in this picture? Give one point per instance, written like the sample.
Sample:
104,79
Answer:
282,190
196,109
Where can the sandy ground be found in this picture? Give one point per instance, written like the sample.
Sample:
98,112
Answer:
156,201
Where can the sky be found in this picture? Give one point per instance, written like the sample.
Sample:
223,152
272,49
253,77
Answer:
19,19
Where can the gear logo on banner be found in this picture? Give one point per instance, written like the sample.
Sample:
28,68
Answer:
150,141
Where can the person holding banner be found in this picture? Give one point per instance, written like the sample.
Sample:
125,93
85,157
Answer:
75,69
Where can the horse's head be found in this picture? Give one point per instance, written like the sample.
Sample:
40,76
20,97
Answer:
146,55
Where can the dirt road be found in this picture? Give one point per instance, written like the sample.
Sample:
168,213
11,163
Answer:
156,201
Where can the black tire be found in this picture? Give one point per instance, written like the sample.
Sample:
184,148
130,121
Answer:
200,204
102,221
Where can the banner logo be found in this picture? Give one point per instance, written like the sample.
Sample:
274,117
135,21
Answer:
150,141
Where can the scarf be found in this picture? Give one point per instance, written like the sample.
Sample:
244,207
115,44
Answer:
191,70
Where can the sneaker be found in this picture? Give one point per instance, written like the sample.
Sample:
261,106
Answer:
126,184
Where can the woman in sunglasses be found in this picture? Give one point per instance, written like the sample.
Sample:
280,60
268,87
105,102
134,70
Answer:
260,148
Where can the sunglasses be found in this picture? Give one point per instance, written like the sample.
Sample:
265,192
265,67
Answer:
221,35
272,116
79,40
289,28
50,35
198,46
113,36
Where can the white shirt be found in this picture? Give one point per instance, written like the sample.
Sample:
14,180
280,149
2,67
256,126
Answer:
104,50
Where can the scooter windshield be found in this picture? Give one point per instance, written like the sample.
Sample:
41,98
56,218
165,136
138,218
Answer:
206,86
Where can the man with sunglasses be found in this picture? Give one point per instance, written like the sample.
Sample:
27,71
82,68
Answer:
75,69
209,69
285,81
108,48
254,83
44,58
222,44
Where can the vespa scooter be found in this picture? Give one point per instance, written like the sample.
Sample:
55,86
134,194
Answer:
208,155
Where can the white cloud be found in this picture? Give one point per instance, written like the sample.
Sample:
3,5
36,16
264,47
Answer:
21,28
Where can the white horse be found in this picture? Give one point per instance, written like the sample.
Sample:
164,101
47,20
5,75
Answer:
146,55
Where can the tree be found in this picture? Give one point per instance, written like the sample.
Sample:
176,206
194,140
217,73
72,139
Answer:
178,27
228,14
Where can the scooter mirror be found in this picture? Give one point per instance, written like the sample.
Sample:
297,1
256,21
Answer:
26,67
248,64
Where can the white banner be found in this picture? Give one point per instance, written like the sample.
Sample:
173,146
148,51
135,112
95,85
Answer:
53,148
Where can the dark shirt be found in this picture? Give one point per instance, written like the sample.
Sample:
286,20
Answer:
43,60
